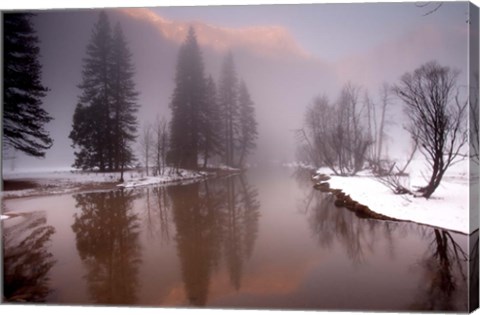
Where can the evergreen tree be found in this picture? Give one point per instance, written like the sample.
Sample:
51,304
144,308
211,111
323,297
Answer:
124,106
248,125
187,105
228,99
95,99
23,115
210,141
105,123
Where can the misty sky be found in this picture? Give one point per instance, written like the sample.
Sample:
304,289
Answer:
287,55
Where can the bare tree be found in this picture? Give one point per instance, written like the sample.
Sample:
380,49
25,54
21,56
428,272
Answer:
336,133
429,6
376,128
160,146
146,144
436,118
474,129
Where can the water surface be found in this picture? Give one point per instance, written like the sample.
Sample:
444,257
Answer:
262,240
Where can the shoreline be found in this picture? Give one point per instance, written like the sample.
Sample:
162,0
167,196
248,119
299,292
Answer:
367,197
68,182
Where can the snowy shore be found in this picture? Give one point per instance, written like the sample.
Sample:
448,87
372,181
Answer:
168,177
448,207
49,182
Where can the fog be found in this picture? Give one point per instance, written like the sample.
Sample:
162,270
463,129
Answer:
286,54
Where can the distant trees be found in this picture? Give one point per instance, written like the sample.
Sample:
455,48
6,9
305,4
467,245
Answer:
210,130
207,121
338,136
228,97
248,125
154,146
376,128
24,118
436,118
239,126
104,122
160,145
336,133
146,143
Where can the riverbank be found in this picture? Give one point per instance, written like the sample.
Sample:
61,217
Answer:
448,207
53,182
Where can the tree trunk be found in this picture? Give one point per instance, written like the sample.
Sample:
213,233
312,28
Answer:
435,179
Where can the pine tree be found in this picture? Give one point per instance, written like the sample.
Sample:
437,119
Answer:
124,106
23,116
248,125
95,102
105,123
210,141
228,99
187,104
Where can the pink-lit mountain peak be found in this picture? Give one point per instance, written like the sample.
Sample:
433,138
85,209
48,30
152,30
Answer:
266,40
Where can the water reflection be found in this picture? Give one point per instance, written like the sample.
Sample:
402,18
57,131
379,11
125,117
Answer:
443,283
473,270
157,217
26,258
106,234
444,268
331,225
209,216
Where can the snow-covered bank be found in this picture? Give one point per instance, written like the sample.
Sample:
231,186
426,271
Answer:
49,182
447,208
170,176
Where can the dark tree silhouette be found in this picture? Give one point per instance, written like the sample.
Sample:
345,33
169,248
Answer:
27,260
436,118
23,116
124,104
94,102
187,104
248,125
104,122
106,234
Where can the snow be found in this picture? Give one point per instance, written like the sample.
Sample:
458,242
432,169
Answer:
448,207
170,176
70,175
69,181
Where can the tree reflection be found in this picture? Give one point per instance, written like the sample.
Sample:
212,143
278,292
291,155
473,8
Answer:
331,225
107,242
209,216
444,268
241,225
197,238
157,213
473,270
26,258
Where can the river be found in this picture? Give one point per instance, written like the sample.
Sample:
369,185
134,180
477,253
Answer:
263,240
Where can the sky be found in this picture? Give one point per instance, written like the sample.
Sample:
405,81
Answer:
286,54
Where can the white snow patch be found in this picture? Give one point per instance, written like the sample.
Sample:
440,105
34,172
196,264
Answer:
169,177
447,208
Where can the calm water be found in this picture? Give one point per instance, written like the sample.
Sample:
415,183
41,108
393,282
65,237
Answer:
263,240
